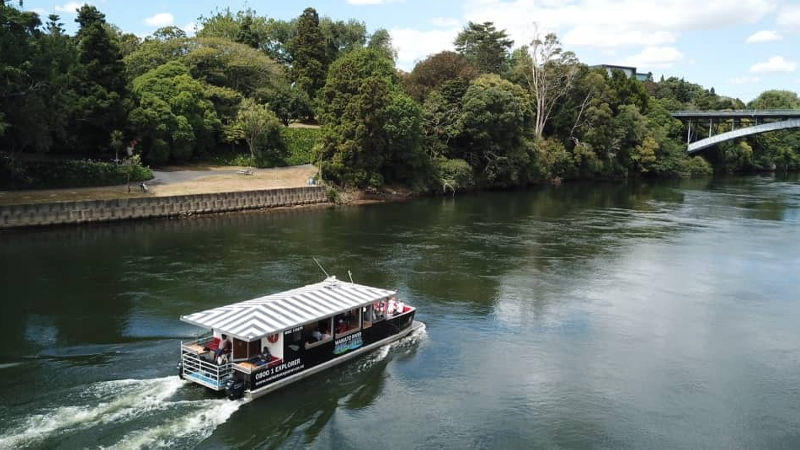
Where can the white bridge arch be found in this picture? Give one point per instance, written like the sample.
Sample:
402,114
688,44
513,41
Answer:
779,119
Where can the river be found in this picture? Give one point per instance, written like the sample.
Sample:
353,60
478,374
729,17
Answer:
588,315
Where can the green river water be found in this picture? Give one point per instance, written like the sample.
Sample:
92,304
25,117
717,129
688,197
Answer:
588,315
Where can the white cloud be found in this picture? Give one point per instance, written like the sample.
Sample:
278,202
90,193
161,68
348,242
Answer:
763,36
593,37
615,22
445,22
789,16
160,20
744,80
775,64
654,58
413,45
69,7
40,11
190,28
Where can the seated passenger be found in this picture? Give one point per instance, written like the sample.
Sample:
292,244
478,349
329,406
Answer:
224,347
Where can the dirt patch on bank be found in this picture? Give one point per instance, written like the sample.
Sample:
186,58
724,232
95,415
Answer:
206,181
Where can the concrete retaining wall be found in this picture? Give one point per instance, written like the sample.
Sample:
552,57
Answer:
38,214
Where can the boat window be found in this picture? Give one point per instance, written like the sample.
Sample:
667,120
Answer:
239,349
347,322
318,332
367,316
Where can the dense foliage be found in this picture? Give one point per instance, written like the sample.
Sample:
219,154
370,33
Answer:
487,115
16,174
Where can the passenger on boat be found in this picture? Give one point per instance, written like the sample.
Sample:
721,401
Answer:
224,347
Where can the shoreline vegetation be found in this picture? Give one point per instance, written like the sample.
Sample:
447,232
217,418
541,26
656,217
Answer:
89,108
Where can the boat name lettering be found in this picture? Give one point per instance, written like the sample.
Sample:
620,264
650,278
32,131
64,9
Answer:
279,368
347,343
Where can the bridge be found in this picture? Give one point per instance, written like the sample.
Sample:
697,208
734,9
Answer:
750,122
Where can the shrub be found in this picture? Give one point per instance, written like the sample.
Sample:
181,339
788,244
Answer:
454,174
16,174
270,148
300,143
232,158
697,167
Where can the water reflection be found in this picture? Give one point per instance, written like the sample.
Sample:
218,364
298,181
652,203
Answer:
557,316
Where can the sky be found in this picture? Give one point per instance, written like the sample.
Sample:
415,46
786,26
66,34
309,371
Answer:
739,47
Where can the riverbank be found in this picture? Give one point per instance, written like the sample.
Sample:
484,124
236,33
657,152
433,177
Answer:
69,212
175,191
173,181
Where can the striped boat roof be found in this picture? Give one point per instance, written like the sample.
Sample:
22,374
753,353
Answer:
270,314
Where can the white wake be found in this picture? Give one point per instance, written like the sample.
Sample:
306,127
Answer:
123,401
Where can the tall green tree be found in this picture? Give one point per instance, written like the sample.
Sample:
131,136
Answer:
484,46
494,119
381,41
101,83
309,64
17,82
173,119
366,122
341,37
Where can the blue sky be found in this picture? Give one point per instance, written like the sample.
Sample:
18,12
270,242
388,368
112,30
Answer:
740,47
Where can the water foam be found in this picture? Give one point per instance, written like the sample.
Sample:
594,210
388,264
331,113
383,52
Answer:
117,400
411,340
196,426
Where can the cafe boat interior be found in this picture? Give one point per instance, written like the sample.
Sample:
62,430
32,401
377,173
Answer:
253,347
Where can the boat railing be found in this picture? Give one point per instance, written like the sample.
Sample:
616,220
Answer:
195,367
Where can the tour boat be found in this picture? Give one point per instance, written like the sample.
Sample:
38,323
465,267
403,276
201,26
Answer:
277,339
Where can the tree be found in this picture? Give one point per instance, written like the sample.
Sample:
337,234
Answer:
163,46
19,83
341,37
256,120
406,161
552,75
308,53
355,112
775,99
436,69
484,46
222,62
168,33
287,102
101,82
494,117
381,41
172,118
442,124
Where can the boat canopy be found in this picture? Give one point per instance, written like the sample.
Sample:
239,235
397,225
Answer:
263,316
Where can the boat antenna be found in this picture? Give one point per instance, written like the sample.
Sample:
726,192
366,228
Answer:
350,274
320,267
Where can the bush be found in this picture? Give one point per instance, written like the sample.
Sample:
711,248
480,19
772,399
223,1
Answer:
454,174
232,158
16,174
300,142
697,167
270,148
